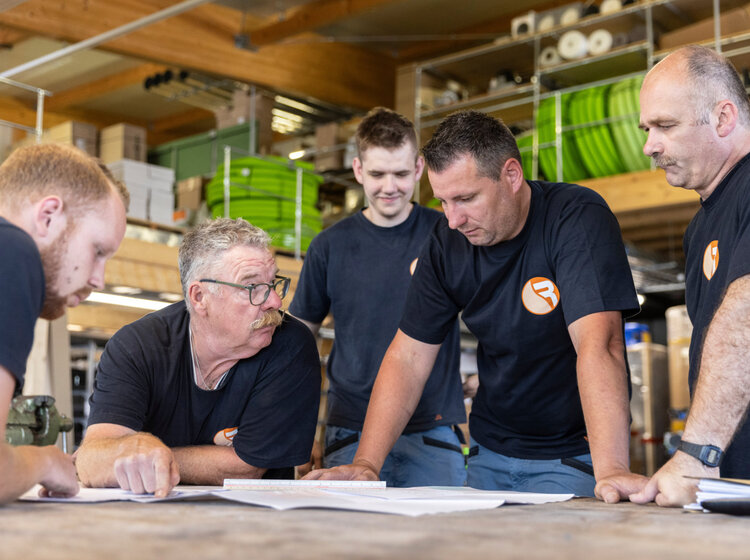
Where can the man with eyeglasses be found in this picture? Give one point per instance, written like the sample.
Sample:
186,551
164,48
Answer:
220,385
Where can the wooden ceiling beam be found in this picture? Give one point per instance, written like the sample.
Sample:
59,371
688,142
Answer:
203,40
23,113
310,17
185,118
108,84
497,26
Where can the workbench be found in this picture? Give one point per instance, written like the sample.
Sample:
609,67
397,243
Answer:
578,529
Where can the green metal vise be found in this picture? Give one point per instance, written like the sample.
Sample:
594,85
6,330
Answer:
35,420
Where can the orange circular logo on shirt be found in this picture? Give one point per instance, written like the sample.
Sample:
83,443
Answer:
225,436
711,259
540,295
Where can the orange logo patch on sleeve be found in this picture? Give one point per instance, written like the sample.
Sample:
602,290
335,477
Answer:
711,259
413,266
540,295
225,437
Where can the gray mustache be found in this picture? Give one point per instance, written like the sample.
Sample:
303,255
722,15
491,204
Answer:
269,319
663,161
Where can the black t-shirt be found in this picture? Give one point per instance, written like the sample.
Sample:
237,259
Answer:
518,298
361,273
717,252
22,288
145,382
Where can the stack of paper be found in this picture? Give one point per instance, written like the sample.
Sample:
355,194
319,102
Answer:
723,495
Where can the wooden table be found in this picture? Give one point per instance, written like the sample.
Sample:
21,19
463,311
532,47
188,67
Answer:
580,529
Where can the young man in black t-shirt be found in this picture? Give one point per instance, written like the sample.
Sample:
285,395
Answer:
360,269
61,218
539,273
696,111
221,385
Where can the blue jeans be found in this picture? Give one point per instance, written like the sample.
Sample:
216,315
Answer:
430,458
491,471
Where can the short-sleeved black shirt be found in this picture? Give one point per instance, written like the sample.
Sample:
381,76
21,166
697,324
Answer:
717,252
361,273
145,382
518,298
22,288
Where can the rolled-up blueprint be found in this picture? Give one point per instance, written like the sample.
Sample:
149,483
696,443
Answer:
571,14
600,42
572,45
609,6
546,21
549,57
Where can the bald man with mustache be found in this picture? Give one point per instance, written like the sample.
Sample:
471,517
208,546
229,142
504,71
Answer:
220,385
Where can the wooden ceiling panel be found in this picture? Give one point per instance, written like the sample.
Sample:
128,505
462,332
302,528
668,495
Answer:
203,40
311,16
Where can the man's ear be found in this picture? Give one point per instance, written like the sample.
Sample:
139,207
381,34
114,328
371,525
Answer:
514,171
419,169
197,296
357,168
49,217
727,117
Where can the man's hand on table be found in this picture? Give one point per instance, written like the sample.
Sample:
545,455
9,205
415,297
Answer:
145,465
618,486
359,470
669,487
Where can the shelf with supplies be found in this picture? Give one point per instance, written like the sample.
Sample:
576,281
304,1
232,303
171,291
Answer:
508,73
570,94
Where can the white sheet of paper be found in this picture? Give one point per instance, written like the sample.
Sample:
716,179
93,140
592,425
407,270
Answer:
400,501
338,499
265,484
95,495
718,488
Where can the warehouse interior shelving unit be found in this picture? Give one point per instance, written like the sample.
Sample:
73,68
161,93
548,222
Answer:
652,214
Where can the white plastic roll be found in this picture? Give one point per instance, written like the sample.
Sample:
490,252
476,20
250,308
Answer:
523,25
600,42
547,21
609,6
570,15
572,45
549,57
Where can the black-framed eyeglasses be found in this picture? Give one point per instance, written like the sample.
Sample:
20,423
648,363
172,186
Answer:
258,292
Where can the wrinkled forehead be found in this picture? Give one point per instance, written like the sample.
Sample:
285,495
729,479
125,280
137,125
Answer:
248,263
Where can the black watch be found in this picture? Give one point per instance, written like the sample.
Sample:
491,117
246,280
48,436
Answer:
709,455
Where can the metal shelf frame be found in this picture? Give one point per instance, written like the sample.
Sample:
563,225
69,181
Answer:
532,93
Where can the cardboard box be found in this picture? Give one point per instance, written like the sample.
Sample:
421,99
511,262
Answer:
122,141
732,21
326,137
161,207
190,193
154,177
237,112
138,207
79,134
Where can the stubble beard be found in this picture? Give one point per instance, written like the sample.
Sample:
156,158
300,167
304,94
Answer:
54,303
